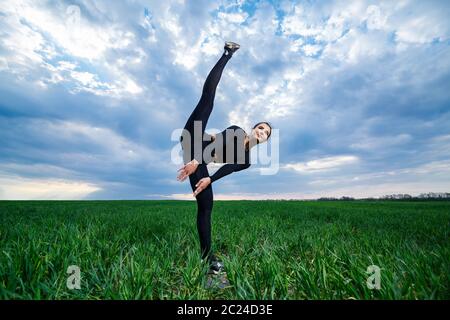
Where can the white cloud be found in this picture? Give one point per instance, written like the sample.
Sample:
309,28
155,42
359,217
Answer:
210,46
296,23
21,188
357,46
322,164
235,17
296,45
68,30
83,81
423,27
311,50
35,34
85,78
324,24
187,53
375,18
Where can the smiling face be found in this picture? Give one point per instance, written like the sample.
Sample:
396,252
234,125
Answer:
261,132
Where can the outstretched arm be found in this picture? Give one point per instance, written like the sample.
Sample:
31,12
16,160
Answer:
227,169
222,172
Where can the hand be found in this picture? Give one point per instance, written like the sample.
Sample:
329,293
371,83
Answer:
188,169
201,185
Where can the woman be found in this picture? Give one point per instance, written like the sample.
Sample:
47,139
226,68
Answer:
224,142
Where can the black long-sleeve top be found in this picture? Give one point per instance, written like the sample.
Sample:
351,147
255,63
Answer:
233,140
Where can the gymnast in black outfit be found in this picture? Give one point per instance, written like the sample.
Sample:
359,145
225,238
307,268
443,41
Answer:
231,146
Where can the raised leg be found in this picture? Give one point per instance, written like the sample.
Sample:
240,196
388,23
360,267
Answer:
203,110
205,105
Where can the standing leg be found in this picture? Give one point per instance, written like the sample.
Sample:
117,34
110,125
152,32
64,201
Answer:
204,210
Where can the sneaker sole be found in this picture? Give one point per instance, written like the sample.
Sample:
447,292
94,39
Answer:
232,45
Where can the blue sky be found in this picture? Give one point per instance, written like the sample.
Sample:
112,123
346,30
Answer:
91,92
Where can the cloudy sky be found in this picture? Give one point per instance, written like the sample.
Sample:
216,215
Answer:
92,91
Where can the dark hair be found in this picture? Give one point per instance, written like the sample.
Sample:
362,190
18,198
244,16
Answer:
257,142
265,123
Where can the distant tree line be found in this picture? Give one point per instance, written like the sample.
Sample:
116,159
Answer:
400,196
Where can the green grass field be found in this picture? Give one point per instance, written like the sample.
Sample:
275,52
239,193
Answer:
271,249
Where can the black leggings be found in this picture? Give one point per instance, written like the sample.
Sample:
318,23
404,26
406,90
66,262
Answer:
201,113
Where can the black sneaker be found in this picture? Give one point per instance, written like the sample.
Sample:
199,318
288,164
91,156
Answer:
231,47
216,266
